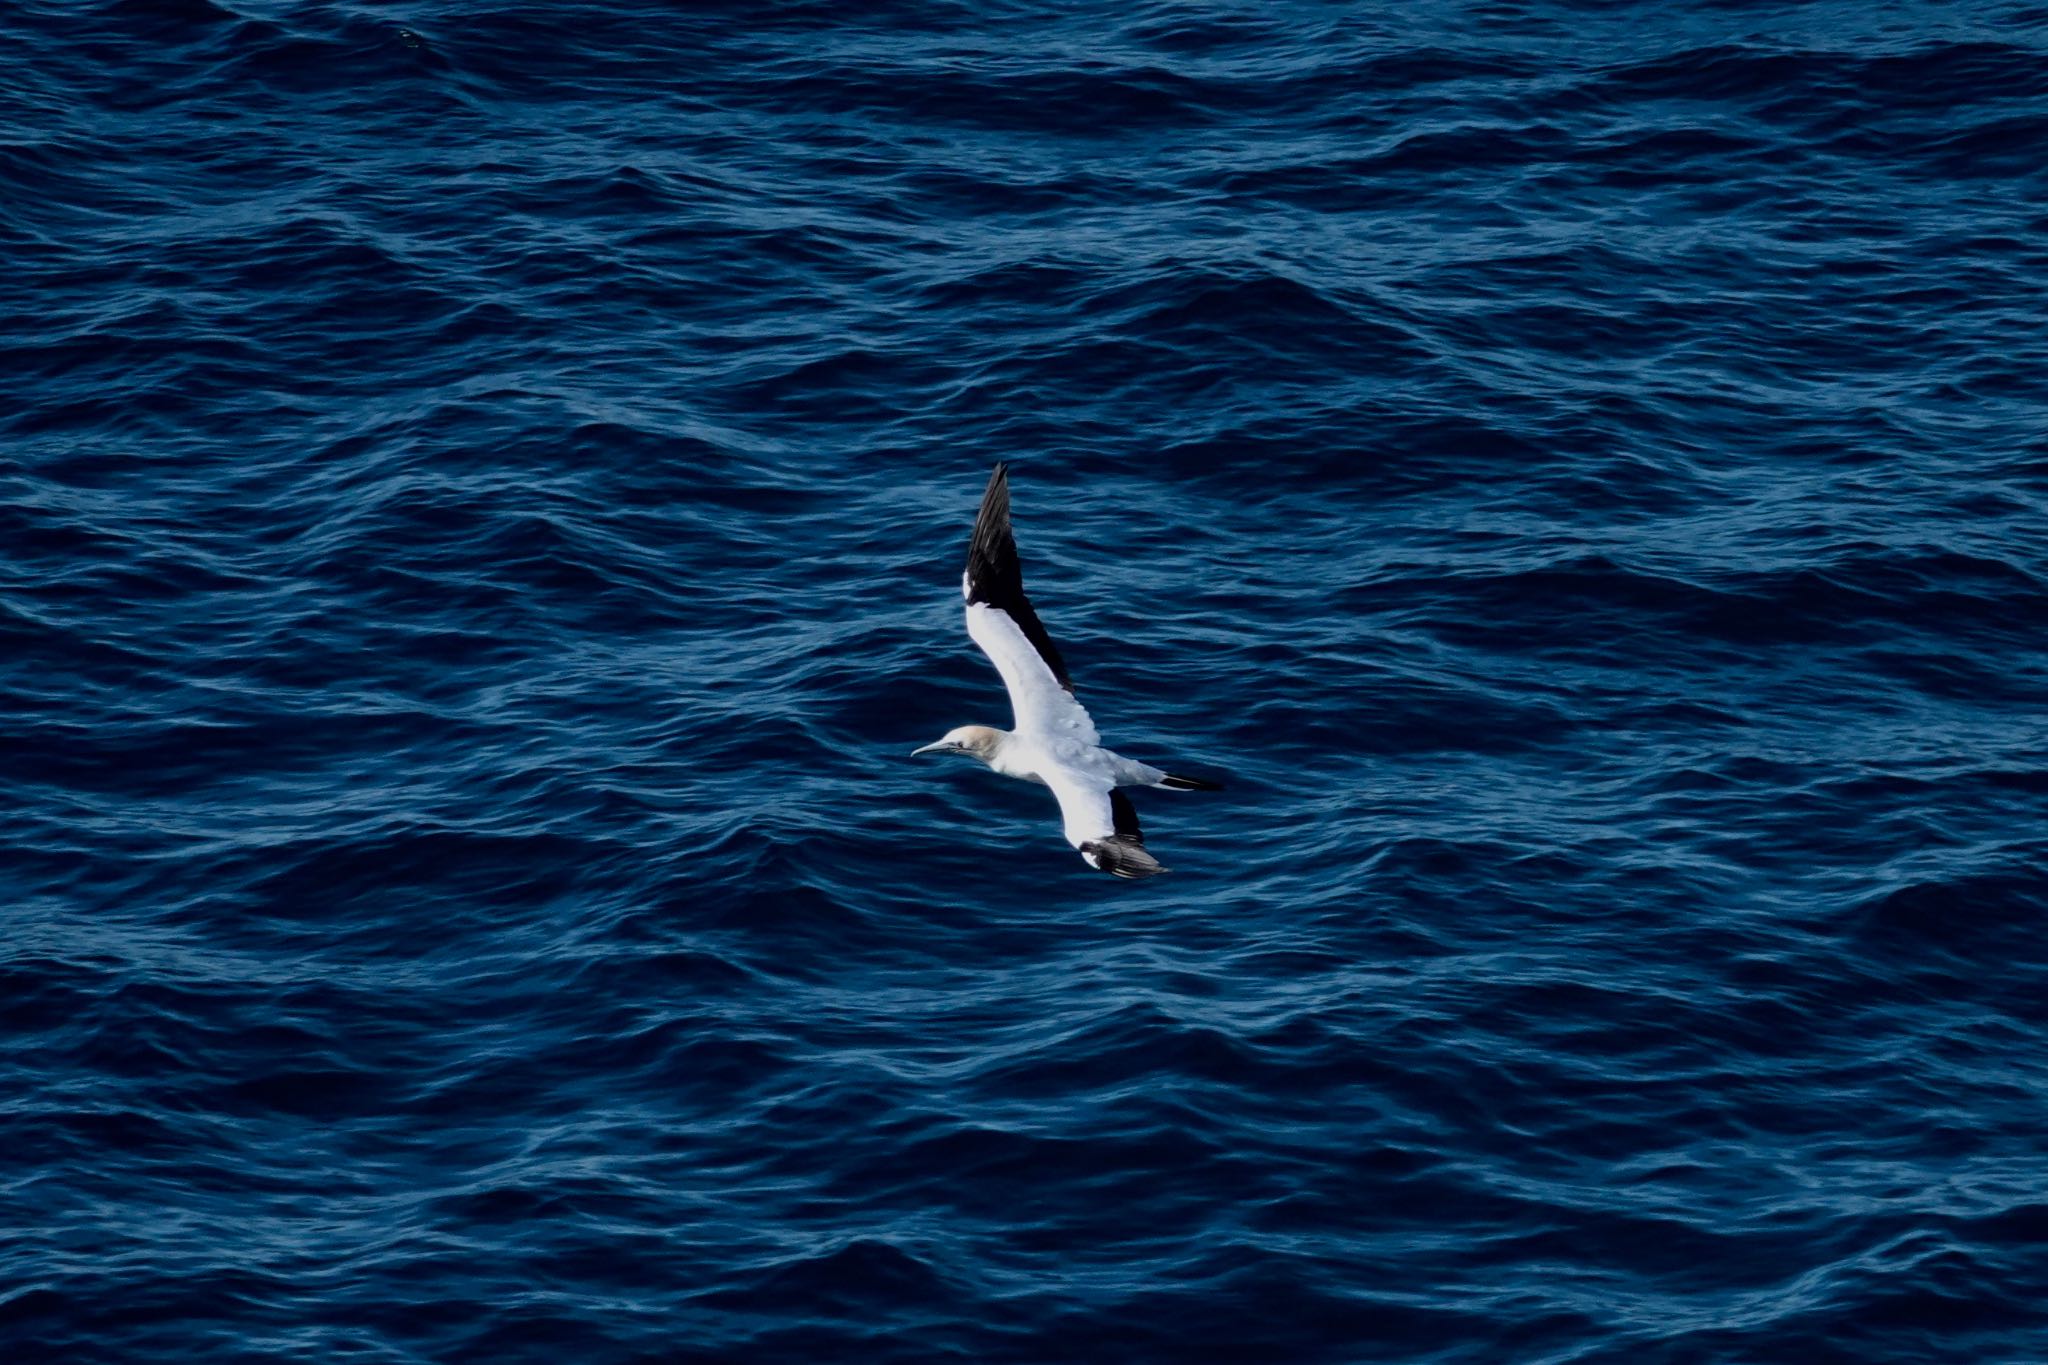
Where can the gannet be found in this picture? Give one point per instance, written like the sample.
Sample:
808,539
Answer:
1054,742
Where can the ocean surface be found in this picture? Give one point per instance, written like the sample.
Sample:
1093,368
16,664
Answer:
483,491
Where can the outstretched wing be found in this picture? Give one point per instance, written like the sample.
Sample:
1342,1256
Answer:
1000,618
1103,824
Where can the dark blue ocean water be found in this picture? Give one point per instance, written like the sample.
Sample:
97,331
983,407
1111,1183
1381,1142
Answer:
482,500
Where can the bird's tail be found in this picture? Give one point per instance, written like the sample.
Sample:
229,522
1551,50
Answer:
1176,783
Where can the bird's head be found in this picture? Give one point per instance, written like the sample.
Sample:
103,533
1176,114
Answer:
977,741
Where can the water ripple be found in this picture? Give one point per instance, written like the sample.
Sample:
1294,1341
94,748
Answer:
477,526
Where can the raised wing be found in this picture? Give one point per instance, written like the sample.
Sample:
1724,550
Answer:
1002,622
1103,824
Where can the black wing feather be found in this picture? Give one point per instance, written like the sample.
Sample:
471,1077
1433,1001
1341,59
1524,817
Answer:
1124,816
995,577
1123,853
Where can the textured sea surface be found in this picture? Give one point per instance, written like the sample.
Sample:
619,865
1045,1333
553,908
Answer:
483,489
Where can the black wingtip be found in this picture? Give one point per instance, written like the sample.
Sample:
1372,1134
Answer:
1121,857
995,577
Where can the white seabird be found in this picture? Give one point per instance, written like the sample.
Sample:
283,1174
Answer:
1055,742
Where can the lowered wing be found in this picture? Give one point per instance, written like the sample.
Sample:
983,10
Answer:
1103,824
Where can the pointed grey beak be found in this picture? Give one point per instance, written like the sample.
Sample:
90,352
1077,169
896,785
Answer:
937,744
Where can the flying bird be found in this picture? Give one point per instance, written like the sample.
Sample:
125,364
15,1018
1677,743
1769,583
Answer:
1054,742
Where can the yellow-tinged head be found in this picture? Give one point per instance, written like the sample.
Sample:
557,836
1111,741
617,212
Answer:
980,741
